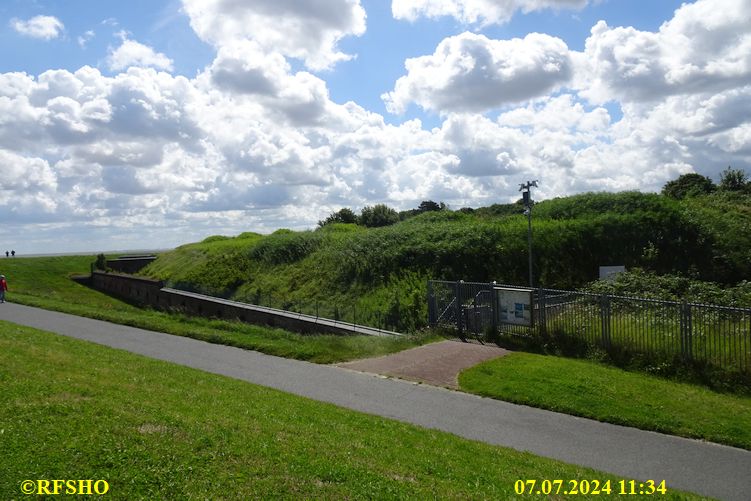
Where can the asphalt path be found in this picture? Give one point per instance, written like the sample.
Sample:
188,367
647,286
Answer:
714,470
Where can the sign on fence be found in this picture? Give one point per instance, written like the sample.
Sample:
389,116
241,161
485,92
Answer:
513,306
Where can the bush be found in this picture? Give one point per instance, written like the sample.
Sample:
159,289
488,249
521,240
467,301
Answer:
673,287
688,185
285,246
344,215
101,262
734,180
378,215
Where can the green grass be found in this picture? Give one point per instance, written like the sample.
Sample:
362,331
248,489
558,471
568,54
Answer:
380,274
153,430
609,394
44,282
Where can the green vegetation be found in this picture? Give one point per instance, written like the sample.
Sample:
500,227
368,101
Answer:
673,287
67,411
45,282
688,185
378,276
589,389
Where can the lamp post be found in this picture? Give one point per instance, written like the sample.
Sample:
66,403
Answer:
526,189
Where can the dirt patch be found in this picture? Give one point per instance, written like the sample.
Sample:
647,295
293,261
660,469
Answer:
438,364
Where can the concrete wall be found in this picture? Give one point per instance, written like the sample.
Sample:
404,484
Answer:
137,289
130,264
152,293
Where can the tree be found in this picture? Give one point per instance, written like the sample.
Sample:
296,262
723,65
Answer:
734,180
378,215
101,262
344,215
428,206
688,185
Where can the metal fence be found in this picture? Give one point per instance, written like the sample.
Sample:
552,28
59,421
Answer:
718,335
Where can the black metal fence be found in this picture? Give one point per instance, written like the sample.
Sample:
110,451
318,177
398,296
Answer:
717,335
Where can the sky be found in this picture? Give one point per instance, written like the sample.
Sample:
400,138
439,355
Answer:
147,124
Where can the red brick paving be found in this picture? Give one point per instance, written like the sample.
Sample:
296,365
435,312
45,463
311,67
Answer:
437,364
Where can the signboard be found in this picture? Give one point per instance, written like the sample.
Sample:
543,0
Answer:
513,306
609,272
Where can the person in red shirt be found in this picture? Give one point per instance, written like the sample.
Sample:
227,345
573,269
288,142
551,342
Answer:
3,288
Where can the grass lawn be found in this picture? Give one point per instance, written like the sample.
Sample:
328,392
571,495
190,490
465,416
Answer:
605,393
45,282
153,430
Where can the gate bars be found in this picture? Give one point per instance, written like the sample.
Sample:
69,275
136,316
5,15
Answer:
714,334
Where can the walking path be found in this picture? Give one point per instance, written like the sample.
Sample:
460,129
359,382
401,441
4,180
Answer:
705,468
438,364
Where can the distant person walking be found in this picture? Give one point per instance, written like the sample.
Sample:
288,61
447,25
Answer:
13,253
3,288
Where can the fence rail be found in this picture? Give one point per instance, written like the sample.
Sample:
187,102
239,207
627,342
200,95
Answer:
718,335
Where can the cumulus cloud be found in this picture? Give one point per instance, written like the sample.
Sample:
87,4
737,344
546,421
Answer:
483,12
309,30
705,47
250,143
132,53
41,27
245,68
470,72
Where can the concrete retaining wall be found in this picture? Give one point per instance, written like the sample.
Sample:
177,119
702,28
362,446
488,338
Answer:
152,293
130,264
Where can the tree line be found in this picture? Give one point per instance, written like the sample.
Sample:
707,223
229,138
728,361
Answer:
380,214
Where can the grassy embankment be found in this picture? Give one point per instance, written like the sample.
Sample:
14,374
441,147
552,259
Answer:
378,276
45,282
585,388
67,412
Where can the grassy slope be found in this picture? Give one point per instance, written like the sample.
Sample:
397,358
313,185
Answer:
379,275
45,282
67,411
588,389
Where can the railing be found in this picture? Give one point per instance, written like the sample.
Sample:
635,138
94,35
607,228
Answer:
718,335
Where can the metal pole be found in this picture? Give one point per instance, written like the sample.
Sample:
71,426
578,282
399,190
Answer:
529,243
526,189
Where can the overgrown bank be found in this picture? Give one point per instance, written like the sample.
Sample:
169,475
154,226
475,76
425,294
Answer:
378,276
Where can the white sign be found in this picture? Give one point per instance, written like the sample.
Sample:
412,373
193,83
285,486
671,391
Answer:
609,272
513,306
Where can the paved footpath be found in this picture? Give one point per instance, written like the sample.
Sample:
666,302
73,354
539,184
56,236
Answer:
713,470
437,364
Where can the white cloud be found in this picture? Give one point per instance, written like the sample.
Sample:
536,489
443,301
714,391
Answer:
42,27
84,39
252,144
308,30
132,53
483,12
706,47
245,68
471,72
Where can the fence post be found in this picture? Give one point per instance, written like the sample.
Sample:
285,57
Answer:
458,306
686,331
474,322
541,311
605,320
493,310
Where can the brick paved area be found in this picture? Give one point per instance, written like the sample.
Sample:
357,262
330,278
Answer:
437,364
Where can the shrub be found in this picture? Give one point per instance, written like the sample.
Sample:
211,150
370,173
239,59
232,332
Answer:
378,215
688,185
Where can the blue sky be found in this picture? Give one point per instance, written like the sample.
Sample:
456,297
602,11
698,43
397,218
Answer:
186,118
